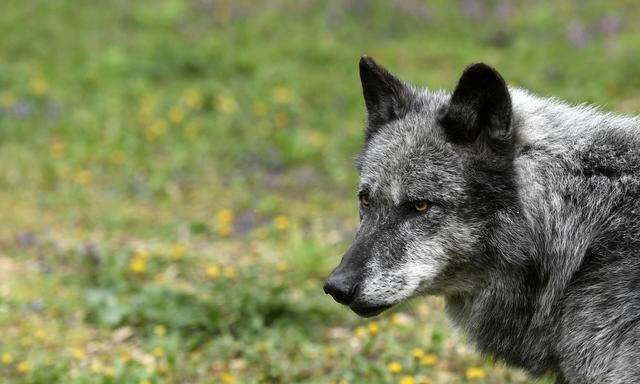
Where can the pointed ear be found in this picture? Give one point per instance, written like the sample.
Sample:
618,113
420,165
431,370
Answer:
386,97
479,104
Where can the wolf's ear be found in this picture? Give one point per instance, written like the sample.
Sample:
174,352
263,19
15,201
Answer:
480,103
386,97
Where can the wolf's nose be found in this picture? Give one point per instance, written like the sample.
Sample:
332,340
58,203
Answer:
341,288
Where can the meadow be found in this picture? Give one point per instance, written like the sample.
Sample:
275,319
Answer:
176,178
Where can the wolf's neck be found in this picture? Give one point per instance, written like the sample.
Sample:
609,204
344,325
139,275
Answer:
514,315
555,124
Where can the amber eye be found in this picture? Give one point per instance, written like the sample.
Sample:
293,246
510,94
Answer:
364,200
421,206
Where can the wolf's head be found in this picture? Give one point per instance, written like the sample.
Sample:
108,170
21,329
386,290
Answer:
435,171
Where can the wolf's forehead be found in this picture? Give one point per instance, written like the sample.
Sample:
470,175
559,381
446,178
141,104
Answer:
389,164
398,166
410,147
387,176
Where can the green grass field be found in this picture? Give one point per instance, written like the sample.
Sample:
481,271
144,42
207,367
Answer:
176,179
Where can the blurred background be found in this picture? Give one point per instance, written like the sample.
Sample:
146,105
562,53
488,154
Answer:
176,179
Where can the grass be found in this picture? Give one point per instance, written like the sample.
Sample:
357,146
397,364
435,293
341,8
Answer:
175,178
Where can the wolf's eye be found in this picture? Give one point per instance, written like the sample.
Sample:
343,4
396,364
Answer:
421,205
364,200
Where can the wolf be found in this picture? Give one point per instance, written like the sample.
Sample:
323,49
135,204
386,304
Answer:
523,212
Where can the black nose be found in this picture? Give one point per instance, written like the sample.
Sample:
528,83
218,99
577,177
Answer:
342,288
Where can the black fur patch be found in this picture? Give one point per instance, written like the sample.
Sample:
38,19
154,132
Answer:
387,98
480,103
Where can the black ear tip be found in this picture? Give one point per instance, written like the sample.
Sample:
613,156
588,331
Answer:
480,66
481,70
366,62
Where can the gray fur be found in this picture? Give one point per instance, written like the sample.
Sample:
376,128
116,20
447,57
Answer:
534,249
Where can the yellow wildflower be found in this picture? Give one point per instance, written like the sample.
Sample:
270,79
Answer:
331,351
83,177
176,115
158,352
110,371
145,381
38,85
137,265
281,222
226,104
40,334
97,367
429,359
192,99
282,95
6,358
259,109
160,330
417,353
213,271
23,367
177,251
155,130
224,216
360,332
374,328
226,377
394,367
78,353
229,272
282,266
406,380
476,374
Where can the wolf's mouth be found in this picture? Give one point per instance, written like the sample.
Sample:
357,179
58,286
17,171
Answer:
369,311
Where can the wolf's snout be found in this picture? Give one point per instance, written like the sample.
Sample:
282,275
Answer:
341,287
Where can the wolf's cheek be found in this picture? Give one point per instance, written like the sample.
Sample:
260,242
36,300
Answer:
424,260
